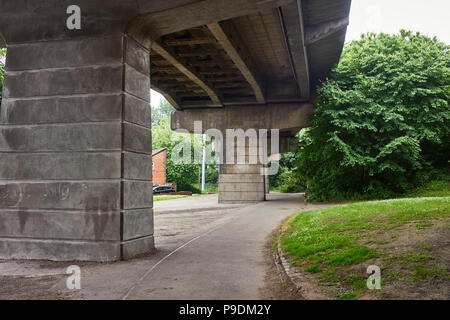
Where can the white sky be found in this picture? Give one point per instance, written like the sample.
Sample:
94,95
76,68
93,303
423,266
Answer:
155,98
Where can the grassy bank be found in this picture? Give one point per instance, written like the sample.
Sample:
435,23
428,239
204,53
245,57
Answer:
407,238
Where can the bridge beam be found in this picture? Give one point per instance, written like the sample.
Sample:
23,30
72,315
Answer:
269,116
292,20
157,24
165,52
229,39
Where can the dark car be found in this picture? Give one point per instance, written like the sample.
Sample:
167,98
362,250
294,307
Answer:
160,190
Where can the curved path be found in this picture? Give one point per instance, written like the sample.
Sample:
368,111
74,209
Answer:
224,262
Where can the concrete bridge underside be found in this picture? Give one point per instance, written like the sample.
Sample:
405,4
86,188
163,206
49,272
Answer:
75,120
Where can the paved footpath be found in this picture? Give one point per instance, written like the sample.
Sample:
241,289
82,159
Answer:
205,251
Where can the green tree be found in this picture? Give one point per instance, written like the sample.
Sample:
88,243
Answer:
212,174
382,120
286,179
162,112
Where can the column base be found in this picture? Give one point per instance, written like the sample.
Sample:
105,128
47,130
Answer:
241,188
74,250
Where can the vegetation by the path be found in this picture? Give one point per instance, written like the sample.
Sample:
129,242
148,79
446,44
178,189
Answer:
185,173
406,238
169,197
437,187
212,188
285,180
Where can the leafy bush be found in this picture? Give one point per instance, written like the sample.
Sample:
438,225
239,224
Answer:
382,120
163,111
188,187
211,188
438,186
212,174
287,180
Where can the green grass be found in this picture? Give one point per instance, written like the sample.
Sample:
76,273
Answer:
351,255
327,242
313,268
350,295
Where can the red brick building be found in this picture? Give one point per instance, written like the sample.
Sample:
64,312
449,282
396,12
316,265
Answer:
159,166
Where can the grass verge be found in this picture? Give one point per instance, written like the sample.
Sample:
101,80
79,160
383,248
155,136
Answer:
407,238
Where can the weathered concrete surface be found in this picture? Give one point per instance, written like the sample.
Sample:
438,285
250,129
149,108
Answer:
270,116
46,18
241,187
75,151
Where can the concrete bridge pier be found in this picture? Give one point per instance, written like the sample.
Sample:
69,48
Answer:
75,150
241,176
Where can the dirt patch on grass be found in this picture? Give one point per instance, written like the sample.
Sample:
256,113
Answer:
415,262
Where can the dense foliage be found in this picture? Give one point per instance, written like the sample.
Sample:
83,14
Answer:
163,111
382,121
2,72
185,175
286,180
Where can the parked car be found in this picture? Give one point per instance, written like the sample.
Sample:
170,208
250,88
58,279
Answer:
160,190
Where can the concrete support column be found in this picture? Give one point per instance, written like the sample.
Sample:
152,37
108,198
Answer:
243,181
75,151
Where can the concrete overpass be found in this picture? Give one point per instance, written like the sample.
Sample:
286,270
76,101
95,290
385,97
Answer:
75,139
